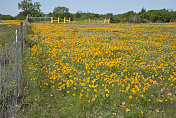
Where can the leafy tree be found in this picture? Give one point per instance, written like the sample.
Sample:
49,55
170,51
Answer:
78,14
29,8
61,12
109,15
126,17
21,16
82,16
166,16
143,10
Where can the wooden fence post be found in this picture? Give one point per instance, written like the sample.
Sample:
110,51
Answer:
51,19
64,19
58,20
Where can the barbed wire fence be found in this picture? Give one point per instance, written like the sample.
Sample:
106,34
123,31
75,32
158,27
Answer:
11,81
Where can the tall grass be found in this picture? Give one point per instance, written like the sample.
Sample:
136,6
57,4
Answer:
7,34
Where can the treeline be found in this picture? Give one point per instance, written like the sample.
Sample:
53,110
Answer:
6,17
162,15
144,16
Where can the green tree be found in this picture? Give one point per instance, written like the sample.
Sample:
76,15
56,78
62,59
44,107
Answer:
143,10
61,12
29,8
78,14
109,15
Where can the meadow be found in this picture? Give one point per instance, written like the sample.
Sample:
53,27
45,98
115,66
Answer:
100,70
7,33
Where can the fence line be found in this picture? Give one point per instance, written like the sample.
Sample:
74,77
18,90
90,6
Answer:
64,20
11,82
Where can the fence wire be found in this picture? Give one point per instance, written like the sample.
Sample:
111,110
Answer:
11,81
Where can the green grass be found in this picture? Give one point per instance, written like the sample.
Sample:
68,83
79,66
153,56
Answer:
7,34
8,67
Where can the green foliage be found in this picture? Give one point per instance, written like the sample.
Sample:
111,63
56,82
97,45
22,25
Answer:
6,17
109,15
29,43
30,8
6,34
144,16
21,16
83,16
61,12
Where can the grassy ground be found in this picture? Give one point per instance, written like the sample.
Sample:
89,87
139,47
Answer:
7,34
115,70
8,66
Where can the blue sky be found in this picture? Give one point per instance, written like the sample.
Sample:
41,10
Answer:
95,6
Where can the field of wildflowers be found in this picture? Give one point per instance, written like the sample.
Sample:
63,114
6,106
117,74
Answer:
10,22
114,70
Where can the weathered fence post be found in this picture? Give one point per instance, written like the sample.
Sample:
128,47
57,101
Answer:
69,19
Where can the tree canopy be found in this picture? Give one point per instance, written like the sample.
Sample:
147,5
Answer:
61,12
144,16
29,7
